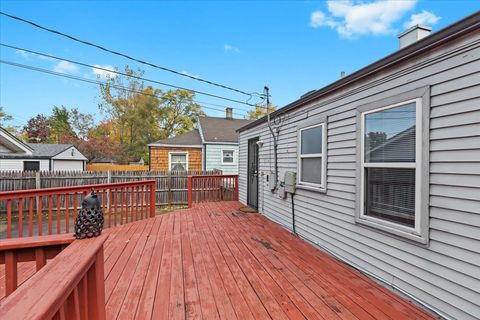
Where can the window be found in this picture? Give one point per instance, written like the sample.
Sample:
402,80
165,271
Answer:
178,161
311,156
227,157
391,158
31,165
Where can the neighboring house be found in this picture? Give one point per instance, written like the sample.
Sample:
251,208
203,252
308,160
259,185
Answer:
387,164
16,155
214,145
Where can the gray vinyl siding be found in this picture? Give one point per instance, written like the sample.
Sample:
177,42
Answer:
213,158
445,274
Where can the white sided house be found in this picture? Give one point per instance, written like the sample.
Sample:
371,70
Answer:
16,155
382,169
220,142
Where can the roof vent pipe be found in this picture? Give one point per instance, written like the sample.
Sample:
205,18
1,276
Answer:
229,113
342,74
413,34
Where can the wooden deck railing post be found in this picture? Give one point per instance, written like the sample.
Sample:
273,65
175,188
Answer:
189,191
96,288
153,193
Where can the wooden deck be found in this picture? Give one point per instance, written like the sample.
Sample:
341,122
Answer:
215,262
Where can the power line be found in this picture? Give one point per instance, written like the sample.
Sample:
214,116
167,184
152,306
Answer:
88,43
125,74
24,66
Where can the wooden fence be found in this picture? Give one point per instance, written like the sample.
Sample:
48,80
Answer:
171,187
116,167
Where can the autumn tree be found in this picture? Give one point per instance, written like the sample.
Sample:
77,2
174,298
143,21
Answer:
101,141
259,111
81,123
142,114
37,129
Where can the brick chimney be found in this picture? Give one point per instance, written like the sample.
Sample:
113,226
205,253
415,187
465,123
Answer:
229,113
413,34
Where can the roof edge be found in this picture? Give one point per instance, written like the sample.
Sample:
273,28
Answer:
175,145
454,30
17,141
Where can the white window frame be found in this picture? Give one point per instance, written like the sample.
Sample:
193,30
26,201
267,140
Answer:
416,231
323,155
174,153
233,156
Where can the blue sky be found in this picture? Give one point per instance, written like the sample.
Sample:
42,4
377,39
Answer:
293,47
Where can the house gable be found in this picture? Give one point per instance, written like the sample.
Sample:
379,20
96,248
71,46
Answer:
71,153
9,144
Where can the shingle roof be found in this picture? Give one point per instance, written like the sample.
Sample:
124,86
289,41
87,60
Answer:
47,149
221,129
190,138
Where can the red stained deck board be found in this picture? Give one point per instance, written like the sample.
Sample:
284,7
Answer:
212,262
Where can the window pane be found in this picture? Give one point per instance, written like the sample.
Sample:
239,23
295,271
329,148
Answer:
31,165
390,135
182,158
228,156
312,140
312,170
179,167
390,194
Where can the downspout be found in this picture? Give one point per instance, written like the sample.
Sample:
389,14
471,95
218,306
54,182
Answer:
275,139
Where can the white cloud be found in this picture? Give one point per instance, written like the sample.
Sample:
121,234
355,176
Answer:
352,19
104,74
65,67
229,47
28,56
424,18
189,74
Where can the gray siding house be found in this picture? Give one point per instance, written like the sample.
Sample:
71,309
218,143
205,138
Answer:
220,142
387,164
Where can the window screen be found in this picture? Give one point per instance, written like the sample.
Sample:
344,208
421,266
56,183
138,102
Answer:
390,164
311,155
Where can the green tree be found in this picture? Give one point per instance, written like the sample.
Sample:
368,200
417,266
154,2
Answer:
260,111
178,112
4,117
60,128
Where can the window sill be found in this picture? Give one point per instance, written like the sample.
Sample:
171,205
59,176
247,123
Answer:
228,164
403,235
311,188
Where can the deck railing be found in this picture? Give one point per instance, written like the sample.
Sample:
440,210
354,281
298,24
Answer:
38,249
53,210
70,286
212,188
